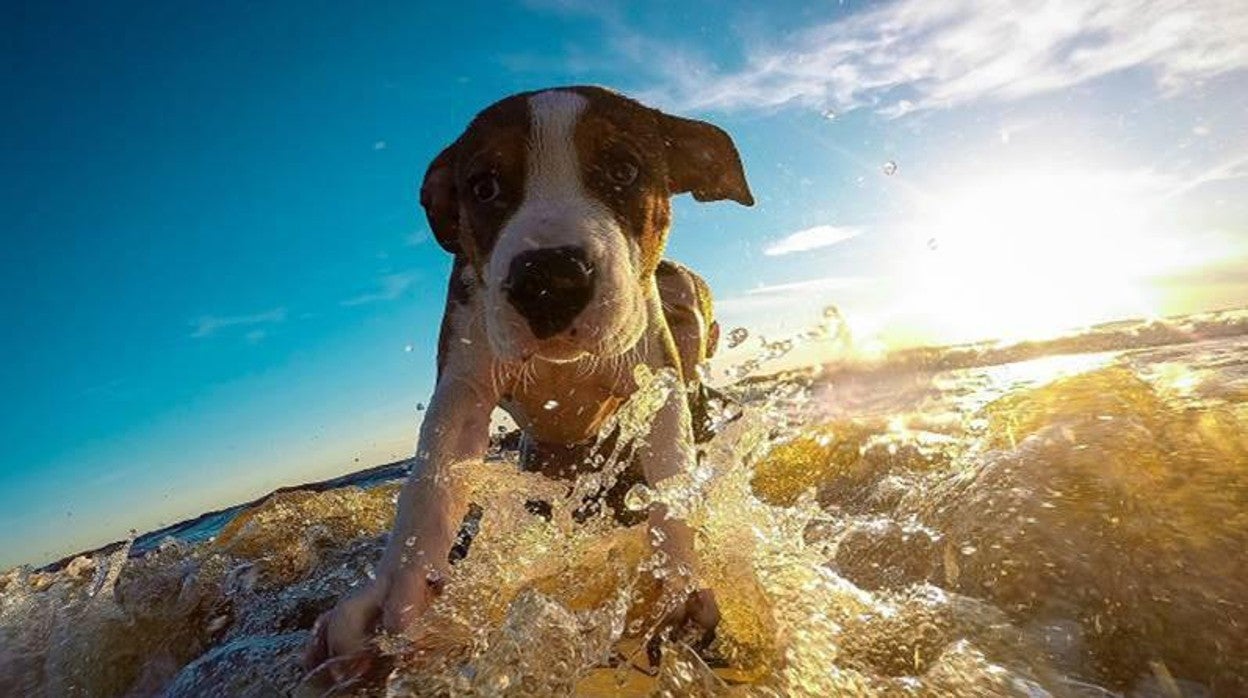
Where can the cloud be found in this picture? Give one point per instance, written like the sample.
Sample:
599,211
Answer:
827,283
391,286
209,325
1234,168
810,239
768,303
913,55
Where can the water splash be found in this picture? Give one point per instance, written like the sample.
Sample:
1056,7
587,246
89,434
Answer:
1047,527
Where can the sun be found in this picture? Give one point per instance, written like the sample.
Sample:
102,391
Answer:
1030,254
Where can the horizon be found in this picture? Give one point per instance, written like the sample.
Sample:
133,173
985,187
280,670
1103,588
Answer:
997,354
219,281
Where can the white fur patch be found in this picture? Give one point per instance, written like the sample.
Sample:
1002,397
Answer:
553,167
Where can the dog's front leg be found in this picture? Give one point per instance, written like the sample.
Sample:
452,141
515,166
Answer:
668,452
432,504
430,509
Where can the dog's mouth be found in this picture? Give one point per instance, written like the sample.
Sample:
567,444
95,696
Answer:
559,349
605,329
574,343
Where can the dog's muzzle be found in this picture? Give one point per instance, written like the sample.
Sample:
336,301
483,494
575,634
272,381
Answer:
550,287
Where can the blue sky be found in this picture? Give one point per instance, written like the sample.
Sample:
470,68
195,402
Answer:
216,279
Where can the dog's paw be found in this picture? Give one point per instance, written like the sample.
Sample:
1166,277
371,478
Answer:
341,650
692,623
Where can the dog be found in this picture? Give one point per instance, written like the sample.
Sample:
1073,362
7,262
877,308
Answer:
556,207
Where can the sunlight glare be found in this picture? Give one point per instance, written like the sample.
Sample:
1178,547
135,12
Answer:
1028,255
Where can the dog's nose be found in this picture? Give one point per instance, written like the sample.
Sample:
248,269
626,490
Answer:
550,287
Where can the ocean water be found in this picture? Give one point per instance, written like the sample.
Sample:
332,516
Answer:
1064,518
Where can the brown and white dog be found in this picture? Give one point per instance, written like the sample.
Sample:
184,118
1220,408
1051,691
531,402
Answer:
556,205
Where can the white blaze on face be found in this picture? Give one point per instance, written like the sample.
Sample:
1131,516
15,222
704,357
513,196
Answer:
557,211
554,171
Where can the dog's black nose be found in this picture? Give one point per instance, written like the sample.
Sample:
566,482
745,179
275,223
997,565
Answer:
550,287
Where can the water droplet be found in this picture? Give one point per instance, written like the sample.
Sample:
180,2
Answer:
408,348
639,497
702,473
890,168
550,404
737,336
720,413
704,372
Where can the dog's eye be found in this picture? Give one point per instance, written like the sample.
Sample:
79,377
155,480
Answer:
622,172
485,187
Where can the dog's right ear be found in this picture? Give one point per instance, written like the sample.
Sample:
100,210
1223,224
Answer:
440,200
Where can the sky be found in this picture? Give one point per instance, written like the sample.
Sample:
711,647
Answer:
216,279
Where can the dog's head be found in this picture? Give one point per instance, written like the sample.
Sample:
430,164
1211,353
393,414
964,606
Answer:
560,201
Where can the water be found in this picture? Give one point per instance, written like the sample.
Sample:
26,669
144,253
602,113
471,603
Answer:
1025,520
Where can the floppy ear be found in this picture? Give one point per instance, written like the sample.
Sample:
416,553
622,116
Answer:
438,197
702,159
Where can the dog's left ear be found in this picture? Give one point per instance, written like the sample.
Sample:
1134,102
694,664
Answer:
703,160
438,197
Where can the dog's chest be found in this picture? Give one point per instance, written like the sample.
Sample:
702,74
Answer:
566,403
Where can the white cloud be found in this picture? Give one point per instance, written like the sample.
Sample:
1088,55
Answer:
209,325
916,54
827,283
1233,168
763,304
810,239
392,286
